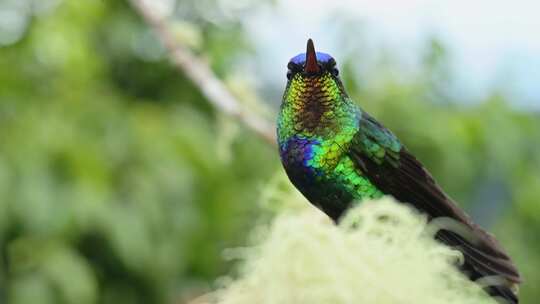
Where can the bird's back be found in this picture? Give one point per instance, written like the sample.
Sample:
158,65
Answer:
395,171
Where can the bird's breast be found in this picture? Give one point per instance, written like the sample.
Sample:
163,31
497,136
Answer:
325,174
315,157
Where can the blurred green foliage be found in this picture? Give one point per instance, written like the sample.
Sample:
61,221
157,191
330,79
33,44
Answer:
114,187
120,184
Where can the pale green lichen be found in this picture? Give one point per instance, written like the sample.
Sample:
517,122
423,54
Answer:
380,254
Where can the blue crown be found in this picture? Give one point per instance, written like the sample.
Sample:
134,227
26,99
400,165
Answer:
300,59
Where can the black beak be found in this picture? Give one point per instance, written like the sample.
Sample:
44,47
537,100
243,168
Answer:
311,59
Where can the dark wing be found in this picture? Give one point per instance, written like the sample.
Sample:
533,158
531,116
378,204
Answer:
392,169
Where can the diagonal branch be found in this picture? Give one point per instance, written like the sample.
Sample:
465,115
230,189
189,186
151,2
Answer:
202,76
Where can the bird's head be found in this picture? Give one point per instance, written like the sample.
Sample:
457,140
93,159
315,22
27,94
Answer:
311,65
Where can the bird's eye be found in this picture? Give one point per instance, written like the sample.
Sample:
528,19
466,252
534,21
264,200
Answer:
289,74
332,62
335,72
293,66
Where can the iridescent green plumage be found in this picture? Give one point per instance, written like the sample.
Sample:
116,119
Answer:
316,109
336,154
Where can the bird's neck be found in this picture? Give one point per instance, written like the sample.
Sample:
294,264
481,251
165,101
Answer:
315,109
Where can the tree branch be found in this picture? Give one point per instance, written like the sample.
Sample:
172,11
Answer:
202,76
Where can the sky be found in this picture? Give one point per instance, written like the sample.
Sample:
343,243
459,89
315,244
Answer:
492,43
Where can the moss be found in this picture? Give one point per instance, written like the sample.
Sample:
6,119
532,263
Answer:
381,253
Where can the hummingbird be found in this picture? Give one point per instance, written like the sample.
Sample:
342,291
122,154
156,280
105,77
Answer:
336,154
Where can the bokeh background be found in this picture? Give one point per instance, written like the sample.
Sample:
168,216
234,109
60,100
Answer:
120,183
